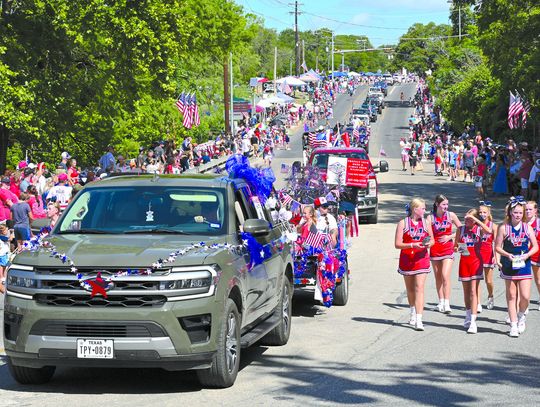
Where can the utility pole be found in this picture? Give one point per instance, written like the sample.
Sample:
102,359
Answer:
303,54
459,21
296,36
232,94
226,96
332,57
275,70
342,61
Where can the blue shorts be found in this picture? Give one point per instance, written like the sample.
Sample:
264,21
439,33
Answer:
21,232
4,260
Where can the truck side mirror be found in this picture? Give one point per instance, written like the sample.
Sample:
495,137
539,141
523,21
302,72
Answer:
383,166
257,227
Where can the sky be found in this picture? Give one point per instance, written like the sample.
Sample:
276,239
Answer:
382,21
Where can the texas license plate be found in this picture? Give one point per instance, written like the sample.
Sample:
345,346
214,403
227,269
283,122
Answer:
95,348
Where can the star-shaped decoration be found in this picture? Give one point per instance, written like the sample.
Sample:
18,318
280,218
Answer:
98,286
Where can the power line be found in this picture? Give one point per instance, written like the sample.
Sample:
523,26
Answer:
354,24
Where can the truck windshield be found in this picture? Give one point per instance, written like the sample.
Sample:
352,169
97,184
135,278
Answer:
155,210
320,160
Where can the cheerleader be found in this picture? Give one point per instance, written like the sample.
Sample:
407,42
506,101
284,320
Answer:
531,215
468,243
413,238
487,252
442,252
516,243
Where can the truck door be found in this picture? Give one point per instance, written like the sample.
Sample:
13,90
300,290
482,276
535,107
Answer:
254,279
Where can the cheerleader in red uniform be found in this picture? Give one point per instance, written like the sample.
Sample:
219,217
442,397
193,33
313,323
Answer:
531,214
487,252
442,253
468,243
413,238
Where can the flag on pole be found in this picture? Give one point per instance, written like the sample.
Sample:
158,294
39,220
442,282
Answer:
285,88
180,103
188,118
317,140
511,110
317,239
304,66
355,228
382,153
195,108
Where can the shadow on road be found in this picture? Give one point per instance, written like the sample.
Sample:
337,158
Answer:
304,305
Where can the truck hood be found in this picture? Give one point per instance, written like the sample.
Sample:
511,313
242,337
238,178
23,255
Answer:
137,251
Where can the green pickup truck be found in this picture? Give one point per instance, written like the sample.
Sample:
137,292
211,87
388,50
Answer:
147,271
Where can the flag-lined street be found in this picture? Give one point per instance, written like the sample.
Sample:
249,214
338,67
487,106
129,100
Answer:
364,352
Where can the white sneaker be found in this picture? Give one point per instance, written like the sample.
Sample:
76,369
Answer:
514,332
467,322
447,309
521,324
479,308
419,325
472,328
412,319
538,305
439,307
490,303
507,320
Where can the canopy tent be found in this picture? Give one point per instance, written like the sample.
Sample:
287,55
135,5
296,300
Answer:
352,73
307,77
338,74
291,81
279,99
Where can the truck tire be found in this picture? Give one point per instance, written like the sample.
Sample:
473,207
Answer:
280,334
374,218
31,375
226,361
341,293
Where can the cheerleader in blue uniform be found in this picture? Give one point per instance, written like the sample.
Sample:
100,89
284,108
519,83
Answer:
516,243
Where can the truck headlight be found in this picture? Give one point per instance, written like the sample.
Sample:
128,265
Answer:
196,282
372,188
190,282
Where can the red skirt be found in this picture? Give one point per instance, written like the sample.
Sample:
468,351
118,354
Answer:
487,255
470,267
441,251
413,261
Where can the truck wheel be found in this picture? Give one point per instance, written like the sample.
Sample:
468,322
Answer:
30,375
227,359
341,293
280,334
373,218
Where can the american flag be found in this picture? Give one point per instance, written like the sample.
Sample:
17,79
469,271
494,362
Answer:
317,240
180,103
355,228
526,108
304,66
188,117
285,199
515,108
285,88
355,133
195,110
317,140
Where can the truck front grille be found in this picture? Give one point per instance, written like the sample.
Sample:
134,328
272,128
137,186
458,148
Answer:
119,301
97,329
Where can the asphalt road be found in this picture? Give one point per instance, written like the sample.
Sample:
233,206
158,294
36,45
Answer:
361,353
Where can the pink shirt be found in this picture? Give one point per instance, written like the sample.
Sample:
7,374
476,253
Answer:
5,195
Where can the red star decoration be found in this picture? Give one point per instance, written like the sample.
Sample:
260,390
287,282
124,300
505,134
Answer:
98,286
